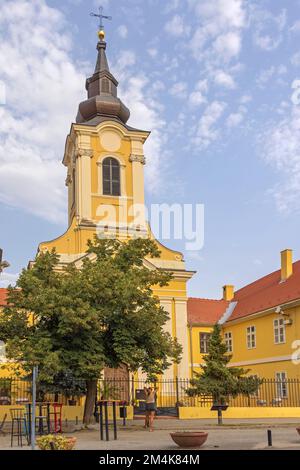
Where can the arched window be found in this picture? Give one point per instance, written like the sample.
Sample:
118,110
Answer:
111,177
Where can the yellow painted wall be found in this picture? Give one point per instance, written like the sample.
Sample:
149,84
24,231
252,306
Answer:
68,412
239,413
266,349
197,358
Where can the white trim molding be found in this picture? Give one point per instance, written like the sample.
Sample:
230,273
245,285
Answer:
264,360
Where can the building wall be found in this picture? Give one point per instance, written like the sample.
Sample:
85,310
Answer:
196,359
267,357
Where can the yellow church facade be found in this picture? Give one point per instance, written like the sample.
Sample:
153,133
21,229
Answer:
105,161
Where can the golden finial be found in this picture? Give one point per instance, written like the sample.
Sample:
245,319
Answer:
101,35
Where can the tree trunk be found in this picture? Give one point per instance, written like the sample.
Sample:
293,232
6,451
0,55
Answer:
91,396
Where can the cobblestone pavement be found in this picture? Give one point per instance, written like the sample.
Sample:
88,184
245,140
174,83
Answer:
242,435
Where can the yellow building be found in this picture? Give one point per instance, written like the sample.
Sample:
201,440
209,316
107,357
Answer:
260,323
105,161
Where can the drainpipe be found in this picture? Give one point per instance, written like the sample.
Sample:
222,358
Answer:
191,349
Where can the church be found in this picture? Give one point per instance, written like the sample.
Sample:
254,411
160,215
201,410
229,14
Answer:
105,161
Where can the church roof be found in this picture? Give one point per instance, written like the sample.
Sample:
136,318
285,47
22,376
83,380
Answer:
102,102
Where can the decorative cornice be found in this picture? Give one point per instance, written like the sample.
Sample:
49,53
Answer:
84,153
137,158
68,180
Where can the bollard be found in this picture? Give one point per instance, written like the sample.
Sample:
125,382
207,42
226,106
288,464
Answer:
76,420
269,433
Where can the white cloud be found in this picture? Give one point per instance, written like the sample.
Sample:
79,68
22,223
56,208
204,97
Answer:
206,131
274,73
152,51
265,76
295,59
202,85
224,79
295,28
235,119
176,26
218,36
280,145
268,28
196,98
7,279
122,31
245,99
43,89
228,45
179,89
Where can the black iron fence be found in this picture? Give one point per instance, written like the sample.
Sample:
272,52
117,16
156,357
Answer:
170,393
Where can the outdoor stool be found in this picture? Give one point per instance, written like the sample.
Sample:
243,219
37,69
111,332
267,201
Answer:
18,426
57,417
41,421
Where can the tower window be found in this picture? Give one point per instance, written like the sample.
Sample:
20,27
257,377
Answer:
111,177
105,85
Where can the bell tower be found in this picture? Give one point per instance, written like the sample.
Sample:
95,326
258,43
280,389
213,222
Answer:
105,161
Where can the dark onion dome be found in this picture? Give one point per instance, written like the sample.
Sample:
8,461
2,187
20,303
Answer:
103,101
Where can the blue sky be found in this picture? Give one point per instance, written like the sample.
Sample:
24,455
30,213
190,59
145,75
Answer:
211,80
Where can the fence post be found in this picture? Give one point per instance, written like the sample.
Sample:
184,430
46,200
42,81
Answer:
177,395
132,391
32,417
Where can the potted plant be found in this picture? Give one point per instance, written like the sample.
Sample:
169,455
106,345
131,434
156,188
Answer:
56,442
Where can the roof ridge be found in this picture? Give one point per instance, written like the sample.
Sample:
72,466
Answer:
205,298
264,277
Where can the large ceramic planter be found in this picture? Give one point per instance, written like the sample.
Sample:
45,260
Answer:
189,438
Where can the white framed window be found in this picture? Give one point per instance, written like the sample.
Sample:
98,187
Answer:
251,337
228,341
204,342
281,384
279,331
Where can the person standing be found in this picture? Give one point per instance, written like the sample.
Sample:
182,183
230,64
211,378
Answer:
150,395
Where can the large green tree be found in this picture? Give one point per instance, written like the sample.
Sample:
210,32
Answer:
217,378
82,320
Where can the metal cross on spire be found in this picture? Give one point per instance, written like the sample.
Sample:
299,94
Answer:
101,17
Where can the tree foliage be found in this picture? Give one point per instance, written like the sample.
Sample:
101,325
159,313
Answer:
216,378
82,320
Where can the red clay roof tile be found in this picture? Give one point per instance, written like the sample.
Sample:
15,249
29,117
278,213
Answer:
205,311
3,294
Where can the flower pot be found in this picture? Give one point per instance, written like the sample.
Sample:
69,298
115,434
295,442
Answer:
56,442
72,402
189,438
